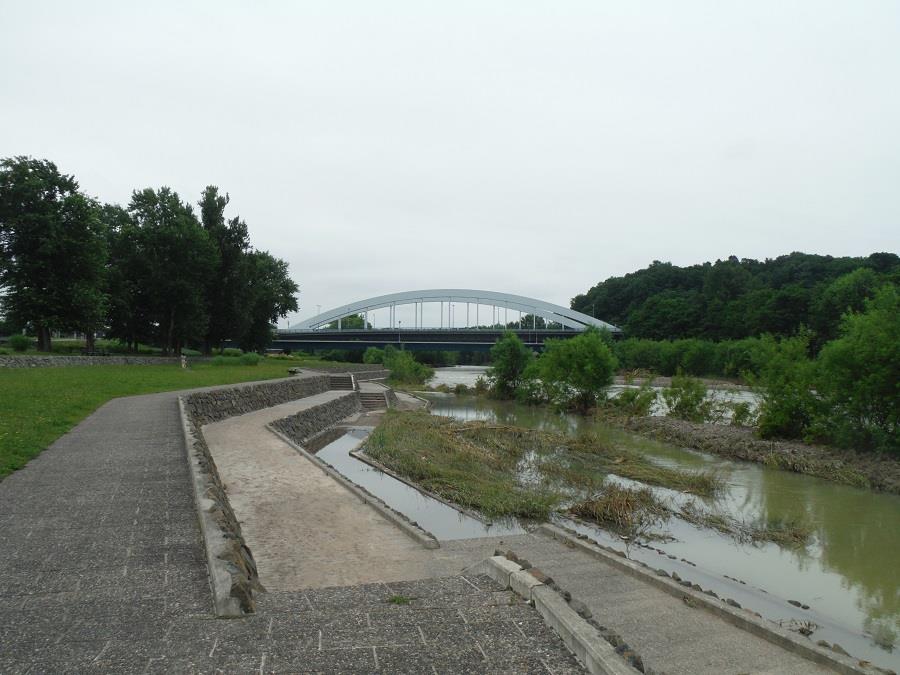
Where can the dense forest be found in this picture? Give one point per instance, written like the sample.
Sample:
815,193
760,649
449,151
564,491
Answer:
739,298
153,272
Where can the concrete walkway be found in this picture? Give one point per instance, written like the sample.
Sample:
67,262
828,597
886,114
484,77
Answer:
304,528
670,636
102,570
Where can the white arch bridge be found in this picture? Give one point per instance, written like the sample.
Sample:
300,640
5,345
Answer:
468,320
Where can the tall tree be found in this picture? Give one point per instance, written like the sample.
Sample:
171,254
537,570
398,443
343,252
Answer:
52,250
179,260
129,280
273,295
227,295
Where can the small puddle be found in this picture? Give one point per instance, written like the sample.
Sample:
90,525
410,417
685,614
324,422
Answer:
443,521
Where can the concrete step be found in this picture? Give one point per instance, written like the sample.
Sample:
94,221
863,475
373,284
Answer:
372,401
342,382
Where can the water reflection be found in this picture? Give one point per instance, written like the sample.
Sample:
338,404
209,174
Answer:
443,521
849,574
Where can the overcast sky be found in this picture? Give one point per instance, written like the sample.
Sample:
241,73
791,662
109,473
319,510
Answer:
528,147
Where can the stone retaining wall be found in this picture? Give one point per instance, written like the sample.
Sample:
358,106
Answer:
59,361
308,423
206,407
232,569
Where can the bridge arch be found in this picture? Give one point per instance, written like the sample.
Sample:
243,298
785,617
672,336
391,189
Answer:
548,311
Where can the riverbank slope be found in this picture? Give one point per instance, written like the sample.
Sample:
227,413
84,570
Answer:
868,470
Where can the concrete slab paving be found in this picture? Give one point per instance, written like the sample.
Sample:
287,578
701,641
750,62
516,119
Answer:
304,528
102,570
669,635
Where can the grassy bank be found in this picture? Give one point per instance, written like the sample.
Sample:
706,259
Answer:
41,404
451,460
504,470
508,471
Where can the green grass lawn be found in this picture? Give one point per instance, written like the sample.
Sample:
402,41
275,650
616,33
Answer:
38,405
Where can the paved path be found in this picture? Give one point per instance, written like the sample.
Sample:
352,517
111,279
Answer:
102,570
304,528
670,636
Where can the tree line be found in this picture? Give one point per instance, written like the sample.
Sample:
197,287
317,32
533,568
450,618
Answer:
846,395
740,298
153,272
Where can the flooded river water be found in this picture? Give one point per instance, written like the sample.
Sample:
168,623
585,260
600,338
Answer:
849,574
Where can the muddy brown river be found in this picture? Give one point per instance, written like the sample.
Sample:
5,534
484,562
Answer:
848,575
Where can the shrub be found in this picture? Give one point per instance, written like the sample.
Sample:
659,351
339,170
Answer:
510,358
635,402
533,390
222,361
19,342
404,367
858,375
638,354
190,352
788,405
66,346
577,370
3,352
729,358
742,414
460,390
373,355
250,359
686,399
481,386
699,357
231,351
747,357
345,355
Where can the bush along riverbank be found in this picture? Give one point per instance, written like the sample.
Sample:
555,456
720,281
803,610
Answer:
845,400
868,470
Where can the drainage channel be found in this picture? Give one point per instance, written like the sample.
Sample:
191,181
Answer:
443,521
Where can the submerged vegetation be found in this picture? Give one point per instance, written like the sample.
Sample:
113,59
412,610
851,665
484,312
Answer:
508,471
789,533
504,470
626,510
463,463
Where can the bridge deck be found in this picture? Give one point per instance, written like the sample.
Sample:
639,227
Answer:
455,339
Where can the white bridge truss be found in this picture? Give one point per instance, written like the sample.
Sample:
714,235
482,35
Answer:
548,311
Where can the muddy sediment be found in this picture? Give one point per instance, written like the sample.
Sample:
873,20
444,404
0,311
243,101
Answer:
871,470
